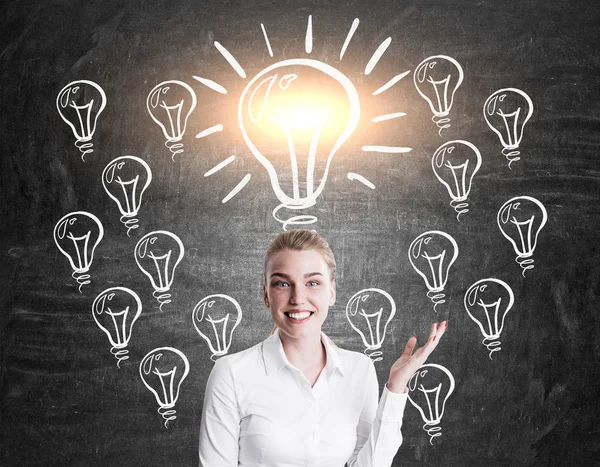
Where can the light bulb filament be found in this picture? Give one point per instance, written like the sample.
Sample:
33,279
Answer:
511,123
460,185
437,273
167,395
375,339
174,120
119,332
491,309
222,338
86,128
524,228
129,191
81,255
442,107
434,413
163,275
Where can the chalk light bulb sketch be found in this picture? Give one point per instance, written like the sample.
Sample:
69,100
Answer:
79,104
428,391
506,112
157,254
170,104
125,179
437,78
454,164
431,255
115,310
521,220
369,312
487,302
77,235
295,116
163,370
215,318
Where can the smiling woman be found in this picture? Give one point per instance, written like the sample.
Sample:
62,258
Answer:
296,398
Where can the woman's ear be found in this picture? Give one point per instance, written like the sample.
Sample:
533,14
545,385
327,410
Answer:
265,295
333,293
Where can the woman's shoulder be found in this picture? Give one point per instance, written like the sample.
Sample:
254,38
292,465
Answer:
352,358
234,362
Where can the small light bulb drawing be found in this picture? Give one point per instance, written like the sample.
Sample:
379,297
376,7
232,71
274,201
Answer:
454,164
369,312
170,104
428,391
157,254
79,104
487,302
163,370
521,220
125,179
506,112
431,255
295,131
437,78
77,235
115,310
215,318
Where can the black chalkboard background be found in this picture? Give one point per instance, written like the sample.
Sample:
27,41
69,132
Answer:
63,399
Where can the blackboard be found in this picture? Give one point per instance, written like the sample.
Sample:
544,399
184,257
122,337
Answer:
64,400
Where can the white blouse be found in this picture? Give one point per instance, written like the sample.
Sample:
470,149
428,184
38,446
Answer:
260,410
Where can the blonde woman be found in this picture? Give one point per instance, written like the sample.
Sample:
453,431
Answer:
296,399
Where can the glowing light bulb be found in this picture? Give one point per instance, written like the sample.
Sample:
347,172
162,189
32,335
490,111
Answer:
158,254
437,78
431,255
521,220
294,116
428,391
77,235
170,104
487,302
163,370
215,318
454,164
79,104
506,112
369,312
125,179
115,310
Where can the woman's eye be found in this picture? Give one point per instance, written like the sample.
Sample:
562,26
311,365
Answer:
313,283
281,284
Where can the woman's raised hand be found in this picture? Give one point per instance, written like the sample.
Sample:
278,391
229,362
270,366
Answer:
410,360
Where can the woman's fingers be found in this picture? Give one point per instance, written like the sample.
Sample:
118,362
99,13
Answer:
410,346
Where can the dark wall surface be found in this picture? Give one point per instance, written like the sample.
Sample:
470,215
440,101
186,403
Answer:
64,401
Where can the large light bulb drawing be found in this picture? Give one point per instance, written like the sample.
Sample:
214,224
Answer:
454,164
77,235
215,318
115,310
431,255
170,104
125,179
487,302
369,312
79,104
428,391
437,78
294,130
506,112
163,370
520,220
158,254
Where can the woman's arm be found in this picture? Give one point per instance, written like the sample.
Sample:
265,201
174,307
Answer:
220,425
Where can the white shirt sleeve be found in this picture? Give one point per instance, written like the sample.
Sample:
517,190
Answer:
378,431
220,425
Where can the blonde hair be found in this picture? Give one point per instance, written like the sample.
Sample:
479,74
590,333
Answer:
299,240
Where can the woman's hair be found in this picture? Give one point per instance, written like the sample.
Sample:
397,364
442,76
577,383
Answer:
299,240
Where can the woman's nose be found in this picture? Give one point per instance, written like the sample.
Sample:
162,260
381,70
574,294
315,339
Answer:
298,296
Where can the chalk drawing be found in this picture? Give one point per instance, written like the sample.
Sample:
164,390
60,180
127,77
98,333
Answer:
157,254
431,255
454,164
487,302
77,235
170,104
369,312
125,179
115,310
506,112
79,104
437,78
215,318
428,391
163,370
521,220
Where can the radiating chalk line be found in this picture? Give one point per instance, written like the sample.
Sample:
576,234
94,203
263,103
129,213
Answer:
388,149
381,118
355,24
210,131
262,26
218,167
237,189
230,59
361,179
211,84
377,55
390,83
308,43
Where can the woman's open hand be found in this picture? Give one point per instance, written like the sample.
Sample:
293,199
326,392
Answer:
409,362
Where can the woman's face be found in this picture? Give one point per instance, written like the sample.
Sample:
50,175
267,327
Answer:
299,291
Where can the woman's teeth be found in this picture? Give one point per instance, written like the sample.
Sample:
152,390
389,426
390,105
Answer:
299,316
